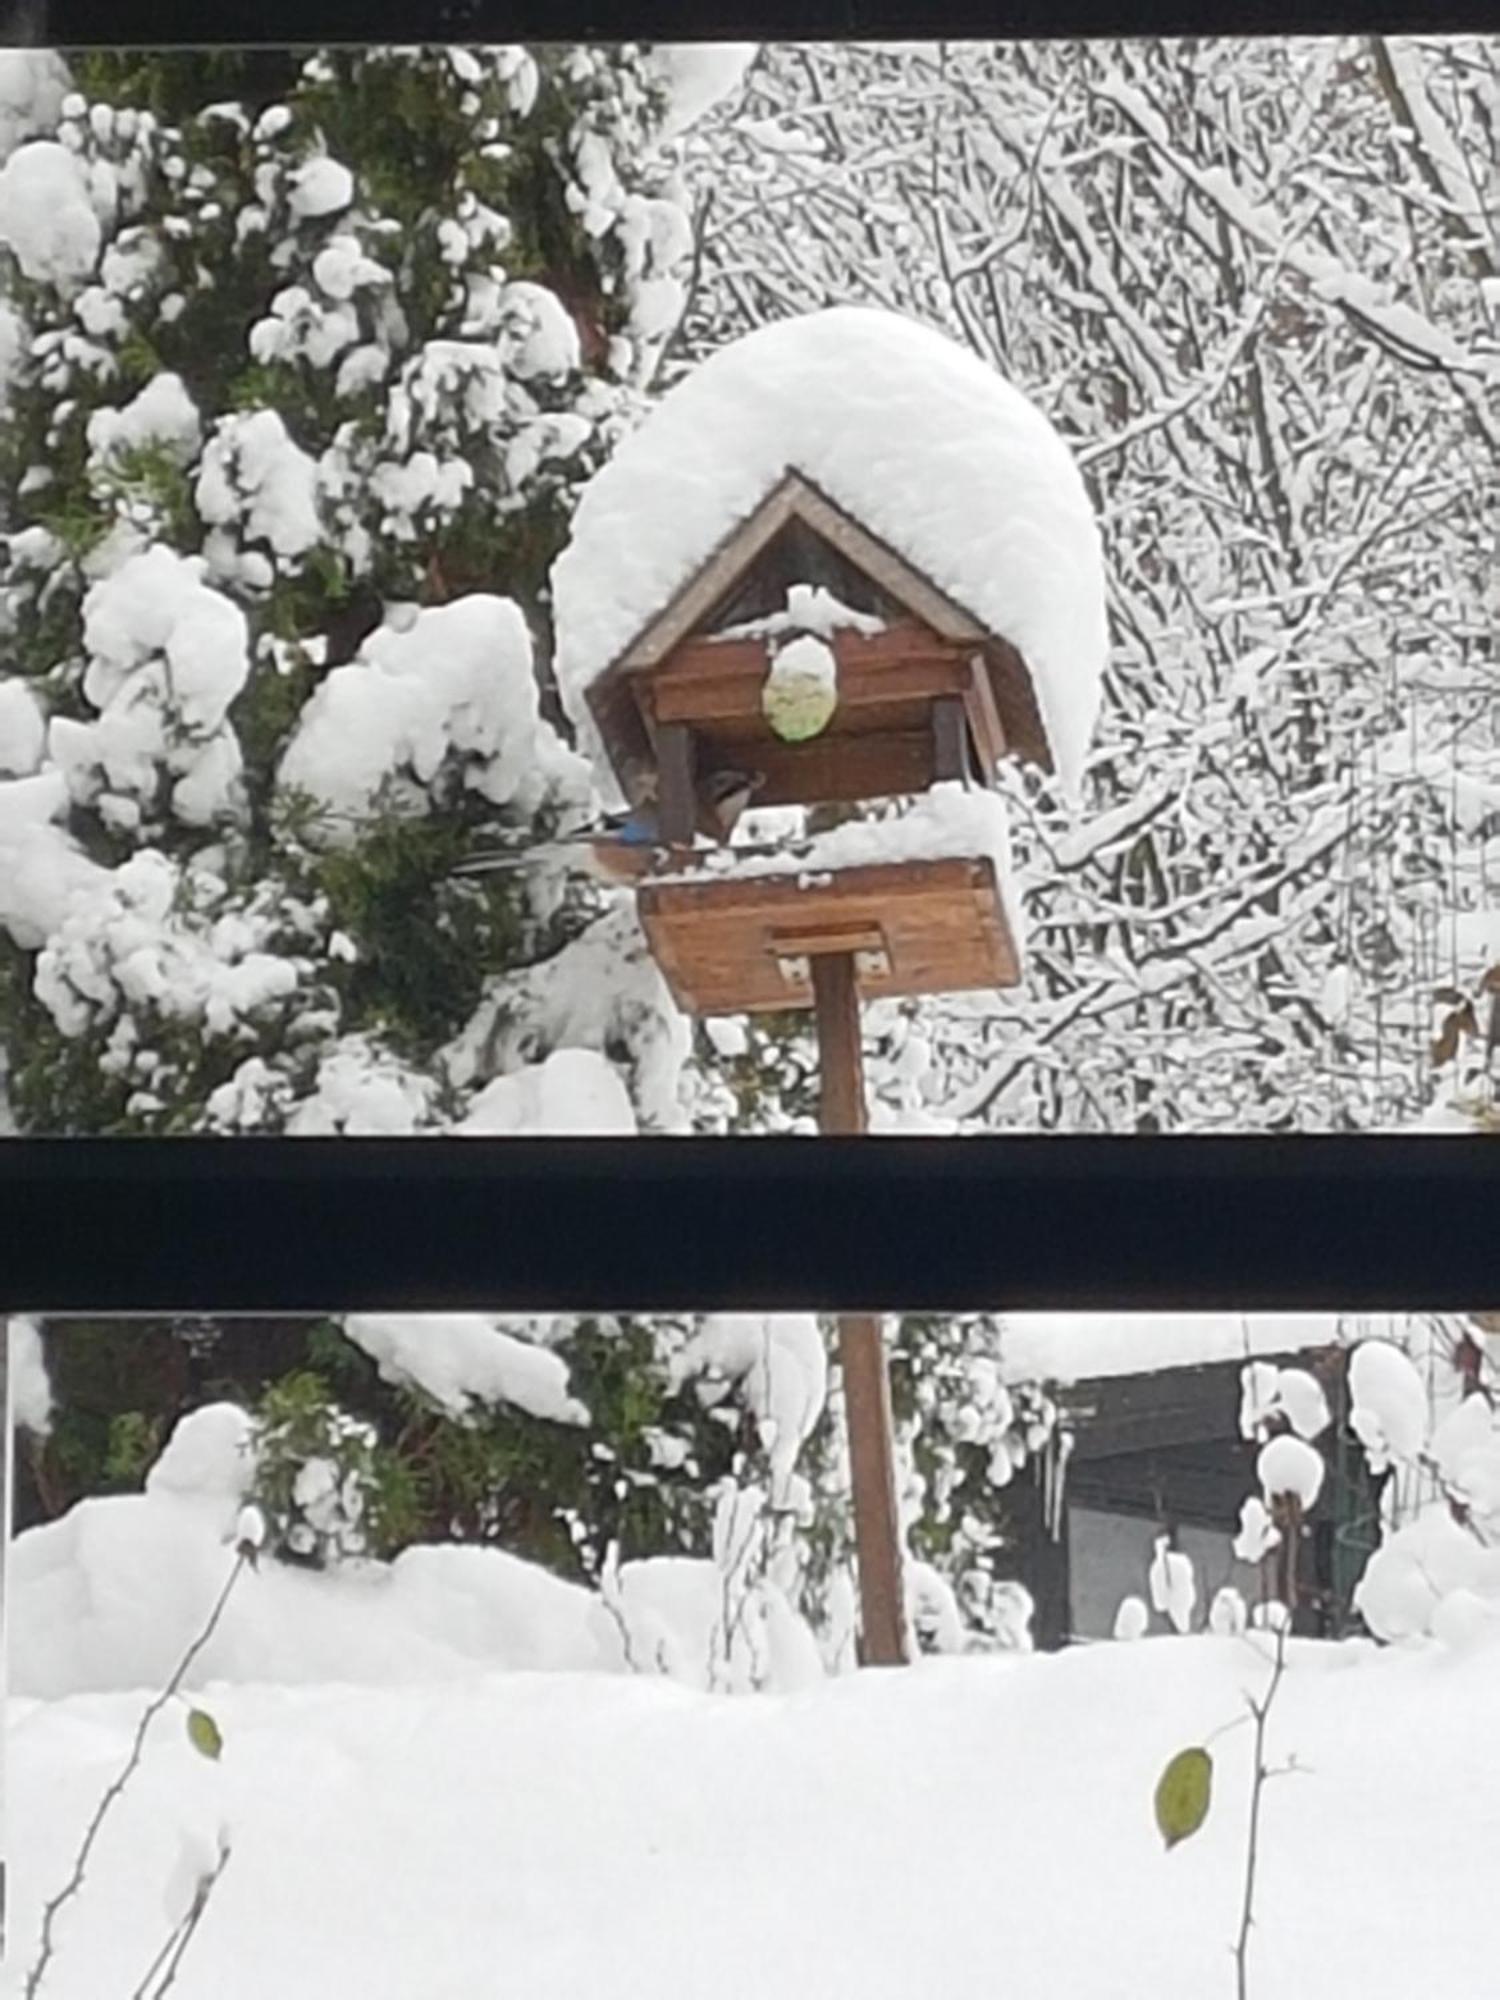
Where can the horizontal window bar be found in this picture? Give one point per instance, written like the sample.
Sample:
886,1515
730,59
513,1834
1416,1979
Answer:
277,23
268,1225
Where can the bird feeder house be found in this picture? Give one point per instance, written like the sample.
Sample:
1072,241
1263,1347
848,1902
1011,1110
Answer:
921,693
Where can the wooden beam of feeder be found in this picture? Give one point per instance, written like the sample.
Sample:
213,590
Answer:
795,497
950,738
822,940
717,680
984,718
677,804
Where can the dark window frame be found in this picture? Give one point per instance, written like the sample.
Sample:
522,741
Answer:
142,1226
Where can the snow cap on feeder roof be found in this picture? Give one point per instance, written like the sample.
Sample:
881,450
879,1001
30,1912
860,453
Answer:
912,435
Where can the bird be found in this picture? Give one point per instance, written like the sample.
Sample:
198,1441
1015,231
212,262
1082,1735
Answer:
727,793
621,847
625,847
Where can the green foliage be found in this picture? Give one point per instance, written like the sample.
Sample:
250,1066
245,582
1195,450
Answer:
115,1400
175,83
969,1439
327,1487
427,941
404,1470
263,716
148,482
134,1444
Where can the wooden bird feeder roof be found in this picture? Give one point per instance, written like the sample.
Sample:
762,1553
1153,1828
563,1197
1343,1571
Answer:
926,651
745,944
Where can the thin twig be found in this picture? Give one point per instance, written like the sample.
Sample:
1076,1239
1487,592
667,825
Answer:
173,1950
80,1866
1260,1710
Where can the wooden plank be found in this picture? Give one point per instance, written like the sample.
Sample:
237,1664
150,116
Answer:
866,1382
950,739
895,575
706,681
794,495
872,1479
851,768
705,658
841,1076
1015,699
942,926
627,735
677,803
875,881
817,940
718,575
984,718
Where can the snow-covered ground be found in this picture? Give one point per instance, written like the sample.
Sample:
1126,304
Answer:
440,1777
965,1826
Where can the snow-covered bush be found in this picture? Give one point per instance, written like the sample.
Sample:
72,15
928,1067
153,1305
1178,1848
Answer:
304,359
1434,1444
322,1482
307,357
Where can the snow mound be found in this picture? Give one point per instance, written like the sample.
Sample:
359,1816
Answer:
1078,1346
1411,1577
30,1391
33,84
667,1615
1271,1396
162,414
255,478
42,873
459,1359
1289,1467
111,1595
360,1091
917,438
167,656
573,1091
457,678
46,215
603,991
1388,1410
320,187
779,1362
697,76
869,1836
1173,1583
23,730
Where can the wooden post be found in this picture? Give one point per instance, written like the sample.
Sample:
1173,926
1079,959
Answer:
950,738
676,802
867,1390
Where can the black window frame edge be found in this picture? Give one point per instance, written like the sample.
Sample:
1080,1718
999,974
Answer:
277,23
120,1227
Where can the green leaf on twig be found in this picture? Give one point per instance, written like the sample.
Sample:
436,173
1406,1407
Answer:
1183,1793
203,1733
